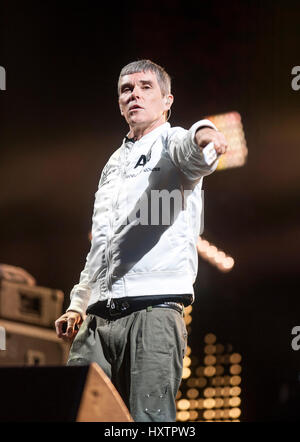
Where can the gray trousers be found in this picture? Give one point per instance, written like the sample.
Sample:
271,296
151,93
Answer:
142,354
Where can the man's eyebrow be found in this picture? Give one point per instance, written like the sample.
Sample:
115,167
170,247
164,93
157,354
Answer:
147,82
129,84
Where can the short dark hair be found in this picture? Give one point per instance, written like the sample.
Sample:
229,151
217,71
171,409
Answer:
162,76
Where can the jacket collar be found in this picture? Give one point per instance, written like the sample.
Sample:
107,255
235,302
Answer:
150,135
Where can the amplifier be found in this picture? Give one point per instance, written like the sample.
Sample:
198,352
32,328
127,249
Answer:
31,345
30,304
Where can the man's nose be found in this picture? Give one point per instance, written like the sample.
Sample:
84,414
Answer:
135,93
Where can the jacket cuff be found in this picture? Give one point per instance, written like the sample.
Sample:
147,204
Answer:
196,155
198,125
78,304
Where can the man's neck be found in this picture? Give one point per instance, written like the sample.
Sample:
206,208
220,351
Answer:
137,132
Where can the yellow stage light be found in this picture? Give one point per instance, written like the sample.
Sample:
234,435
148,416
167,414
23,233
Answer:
218,258
210,370
209,360
235,391
219,402
186,361
209,403
218,391
193,415
183,404
235,380
178,395
187,319
210,338
234,401
209,392
209,414
234,413
182,416
186,373
192,382
200,405
235,369
227,380
192,393
225,391
235,358
209,349
188,309
188,350
193,404
230,124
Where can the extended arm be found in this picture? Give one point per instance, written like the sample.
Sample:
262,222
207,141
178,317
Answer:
186,148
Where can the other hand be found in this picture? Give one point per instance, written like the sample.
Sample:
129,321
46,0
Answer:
68,324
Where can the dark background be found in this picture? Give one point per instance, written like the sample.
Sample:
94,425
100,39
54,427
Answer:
60,122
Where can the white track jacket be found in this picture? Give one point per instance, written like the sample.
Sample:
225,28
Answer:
143,240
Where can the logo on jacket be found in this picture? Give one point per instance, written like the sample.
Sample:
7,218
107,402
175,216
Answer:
141,161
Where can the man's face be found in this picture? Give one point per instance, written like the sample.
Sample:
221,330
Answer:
141,101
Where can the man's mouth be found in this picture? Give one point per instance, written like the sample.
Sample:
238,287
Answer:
135,107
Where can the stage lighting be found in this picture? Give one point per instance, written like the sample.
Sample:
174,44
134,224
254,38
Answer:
212,388
192,393
214,256
186,373
183,404
210,360
230,124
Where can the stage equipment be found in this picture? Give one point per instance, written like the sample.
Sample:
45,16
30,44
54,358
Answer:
61,394
31,345
16,274
30,304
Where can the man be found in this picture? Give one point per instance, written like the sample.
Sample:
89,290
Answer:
142,264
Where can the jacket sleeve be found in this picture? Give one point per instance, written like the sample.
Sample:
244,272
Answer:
81,292
186,154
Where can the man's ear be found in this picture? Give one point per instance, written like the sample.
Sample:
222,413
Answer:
168,101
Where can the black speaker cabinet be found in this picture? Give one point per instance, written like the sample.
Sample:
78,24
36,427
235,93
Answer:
61,394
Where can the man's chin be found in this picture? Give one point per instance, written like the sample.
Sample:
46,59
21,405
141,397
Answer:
136,121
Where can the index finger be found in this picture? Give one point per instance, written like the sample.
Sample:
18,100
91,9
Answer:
59,326
70,326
